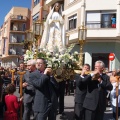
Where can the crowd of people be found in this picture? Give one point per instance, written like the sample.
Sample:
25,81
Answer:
41,92
94,90
43,96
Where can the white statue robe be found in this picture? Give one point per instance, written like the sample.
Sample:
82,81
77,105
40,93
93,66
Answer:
53,35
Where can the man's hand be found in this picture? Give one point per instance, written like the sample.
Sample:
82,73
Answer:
48,71
99,79
25,84
95,72
96,75
83,72
21,99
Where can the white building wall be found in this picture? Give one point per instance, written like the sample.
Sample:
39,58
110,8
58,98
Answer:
36,9
88,58
102,32
101,4
118,18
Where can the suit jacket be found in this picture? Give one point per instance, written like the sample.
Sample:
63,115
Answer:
42,100
29,91
54,86
81,89
96,92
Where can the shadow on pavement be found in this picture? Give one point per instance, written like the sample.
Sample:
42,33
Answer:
69,107
70,115
108,116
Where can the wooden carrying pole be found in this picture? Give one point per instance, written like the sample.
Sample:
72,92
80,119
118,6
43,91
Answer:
12,71
21,81
1,89
117,94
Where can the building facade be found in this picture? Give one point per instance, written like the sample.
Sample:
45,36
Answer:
12,36
39,11
103,37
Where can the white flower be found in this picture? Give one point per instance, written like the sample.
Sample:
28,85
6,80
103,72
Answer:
48,53
54,59
26,57
74,60
27,51
57,55
60,57
71,57
44,49
76,53
31,57
35,53
49,64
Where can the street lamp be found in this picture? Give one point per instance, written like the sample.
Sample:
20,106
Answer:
82,31
37,33
67,39
29,38
37,30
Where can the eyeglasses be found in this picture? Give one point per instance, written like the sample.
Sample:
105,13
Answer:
39,63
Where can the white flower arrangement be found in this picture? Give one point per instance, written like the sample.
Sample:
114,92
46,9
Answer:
57,59
28,55
66,61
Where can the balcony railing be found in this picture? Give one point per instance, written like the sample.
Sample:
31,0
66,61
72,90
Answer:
18,29
18,17
16,41
99,24
14,52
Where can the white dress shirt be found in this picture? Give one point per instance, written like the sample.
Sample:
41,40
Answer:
113,95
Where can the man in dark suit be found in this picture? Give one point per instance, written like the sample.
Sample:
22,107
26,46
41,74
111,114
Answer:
41,65
29,92
21,69
80,93
95,100
43,100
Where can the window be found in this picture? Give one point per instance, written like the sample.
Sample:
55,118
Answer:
35,17
23,38
24,26
36,2
4,46
20,17
72,22
93,20
101,19
107,22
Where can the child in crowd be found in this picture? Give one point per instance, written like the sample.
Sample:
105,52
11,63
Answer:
12,103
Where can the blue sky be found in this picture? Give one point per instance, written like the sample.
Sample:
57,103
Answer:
6,5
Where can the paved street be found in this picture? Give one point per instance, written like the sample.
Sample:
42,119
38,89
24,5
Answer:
69,109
